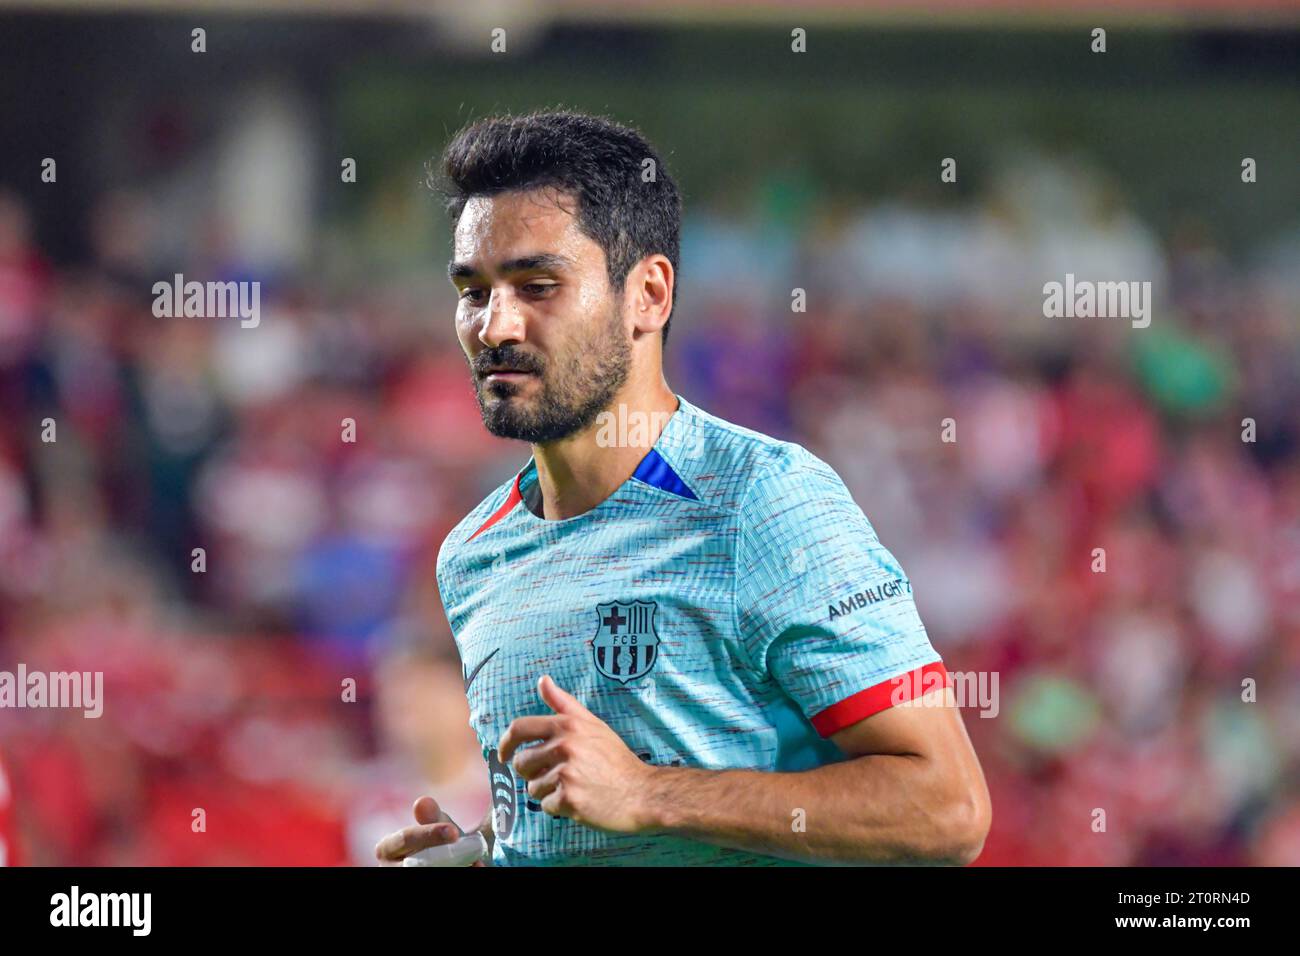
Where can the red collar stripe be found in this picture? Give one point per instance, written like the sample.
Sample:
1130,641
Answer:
514,498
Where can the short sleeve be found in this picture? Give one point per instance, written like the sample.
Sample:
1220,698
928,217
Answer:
821,606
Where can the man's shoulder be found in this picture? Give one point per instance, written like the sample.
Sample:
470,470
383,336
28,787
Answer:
478,516
730,466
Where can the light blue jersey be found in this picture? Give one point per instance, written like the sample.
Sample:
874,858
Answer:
728,607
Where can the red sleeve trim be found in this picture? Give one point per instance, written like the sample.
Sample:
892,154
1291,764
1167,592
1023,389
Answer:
888,693
512,499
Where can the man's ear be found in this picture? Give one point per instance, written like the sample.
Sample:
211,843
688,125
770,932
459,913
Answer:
649,294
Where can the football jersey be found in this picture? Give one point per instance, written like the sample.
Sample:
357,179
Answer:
727,607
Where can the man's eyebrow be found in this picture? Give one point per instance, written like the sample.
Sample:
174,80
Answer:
543,260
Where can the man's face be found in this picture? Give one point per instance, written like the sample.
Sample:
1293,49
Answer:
541,327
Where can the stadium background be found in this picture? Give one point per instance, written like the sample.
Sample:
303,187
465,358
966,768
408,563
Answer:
1119,690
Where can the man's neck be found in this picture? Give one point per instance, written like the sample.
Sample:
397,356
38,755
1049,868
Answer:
577,473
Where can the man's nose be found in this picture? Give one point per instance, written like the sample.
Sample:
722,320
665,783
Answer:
504,322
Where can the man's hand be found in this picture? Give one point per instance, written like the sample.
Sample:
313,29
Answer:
581,769
434,828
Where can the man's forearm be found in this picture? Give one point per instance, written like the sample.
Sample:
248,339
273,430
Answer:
870,809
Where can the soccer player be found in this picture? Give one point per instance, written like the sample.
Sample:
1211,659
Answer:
682,641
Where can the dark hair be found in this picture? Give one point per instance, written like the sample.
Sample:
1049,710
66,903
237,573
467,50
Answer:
597,160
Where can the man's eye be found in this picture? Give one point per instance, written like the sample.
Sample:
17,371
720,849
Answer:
471,295
539,288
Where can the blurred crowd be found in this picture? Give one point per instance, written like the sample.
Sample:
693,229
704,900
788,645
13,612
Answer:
1105,533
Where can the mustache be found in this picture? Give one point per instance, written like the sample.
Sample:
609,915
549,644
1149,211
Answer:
505,357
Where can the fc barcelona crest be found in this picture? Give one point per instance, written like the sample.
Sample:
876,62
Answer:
626,643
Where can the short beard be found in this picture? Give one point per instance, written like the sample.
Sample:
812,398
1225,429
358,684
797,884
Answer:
570,398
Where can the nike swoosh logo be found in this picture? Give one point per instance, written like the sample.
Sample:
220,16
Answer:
474,673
